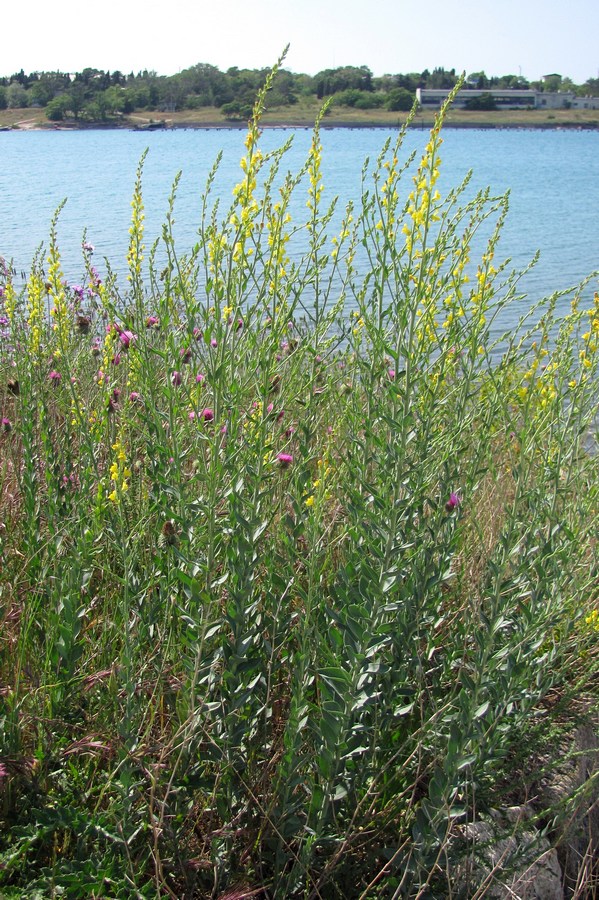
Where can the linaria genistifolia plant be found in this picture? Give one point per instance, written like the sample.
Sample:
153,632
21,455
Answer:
299,559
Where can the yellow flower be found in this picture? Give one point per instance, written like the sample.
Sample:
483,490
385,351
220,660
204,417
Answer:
593,620
310,500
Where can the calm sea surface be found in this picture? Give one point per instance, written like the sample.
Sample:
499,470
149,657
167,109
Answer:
553,178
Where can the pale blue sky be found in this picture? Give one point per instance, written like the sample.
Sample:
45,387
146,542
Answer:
502,37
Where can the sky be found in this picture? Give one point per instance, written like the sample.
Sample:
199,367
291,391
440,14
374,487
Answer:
501,37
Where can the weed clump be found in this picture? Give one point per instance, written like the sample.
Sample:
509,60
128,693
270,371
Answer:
294,550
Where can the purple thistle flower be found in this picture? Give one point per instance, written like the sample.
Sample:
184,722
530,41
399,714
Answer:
6,424
453,502
127,338
214,342
185,354
207,414
135,397
200,379
285,460
55,377
152,321
176,379
391,374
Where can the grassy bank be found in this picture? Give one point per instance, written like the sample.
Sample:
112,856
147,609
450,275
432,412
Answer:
289,595
304,113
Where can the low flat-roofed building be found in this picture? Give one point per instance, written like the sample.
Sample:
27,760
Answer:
432,98
585,103
554,99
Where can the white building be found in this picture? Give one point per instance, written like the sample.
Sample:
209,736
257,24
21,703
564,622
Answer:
433,98
517,98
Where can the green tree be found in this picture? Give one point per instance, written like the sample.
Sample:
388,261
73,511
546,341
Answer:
40,93
513,82
56,108
236,110
75,98
283,92
207,83
481,102
137,96
442,79
349,97
17,96
304,85
332,81
552,82
114,99
399,100
20,78
590,88
478,80
94,79
98,109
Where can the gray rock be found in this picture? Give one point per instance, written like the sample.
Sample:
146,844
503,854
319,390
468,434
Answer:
507,859
569,794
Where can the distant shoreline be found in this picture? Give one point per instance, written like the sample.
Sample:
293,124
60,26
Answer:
21,120
325,126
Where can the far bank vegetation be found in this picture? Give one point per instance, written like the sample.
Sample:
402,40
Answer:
93,95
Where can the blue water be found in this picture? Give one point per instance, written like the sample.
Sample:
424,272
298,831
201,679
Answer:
553,178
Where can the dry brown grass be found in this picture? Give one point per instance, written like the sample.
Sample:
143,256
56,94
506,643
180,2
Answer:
303,114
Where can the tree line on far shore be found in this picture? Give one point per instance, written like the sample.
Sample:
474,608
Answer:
96,95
